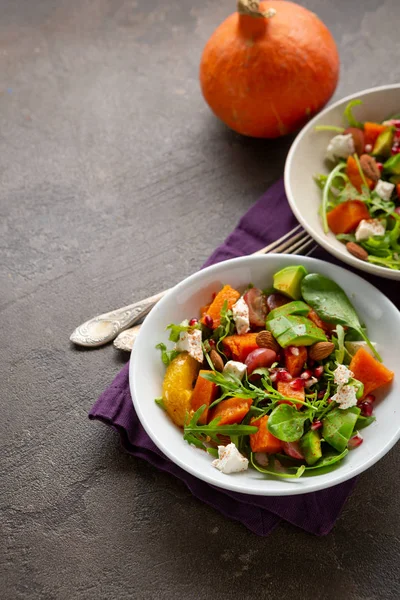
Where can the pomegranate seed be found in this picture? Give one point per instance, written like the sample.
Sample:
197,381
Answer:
283,375
397,210
380,166
273,375
321,394
355,441
208,321
395,149
297,384
193,322
310,382
212,343
307,374
370,398
366,409
316,425
318,371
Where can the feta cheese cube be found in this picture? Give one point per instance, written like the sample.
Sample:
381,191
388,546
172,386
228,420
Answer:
384,189
342,375
230,460
368,228
345,396
340,146
236,368
190,342
240,312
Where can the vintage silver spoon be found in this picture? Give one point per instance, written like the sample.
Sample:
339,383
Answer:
104,328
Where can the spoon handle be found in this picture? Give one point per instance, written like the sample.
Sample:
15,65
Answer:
104,328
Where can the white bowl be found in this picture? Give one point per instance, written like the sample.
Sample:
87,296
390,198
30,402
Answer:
306,158
146,371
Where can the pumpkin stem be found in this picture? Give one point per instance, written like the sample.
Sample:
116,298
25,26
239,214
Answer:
252,9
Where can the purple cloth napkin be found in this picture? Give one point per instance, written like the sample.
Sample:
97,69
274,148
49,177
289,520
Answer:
267,220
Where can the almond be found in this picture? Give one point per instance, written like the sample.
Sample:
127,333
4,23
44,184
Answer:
321,350
357,250
265,339
216,360
369,167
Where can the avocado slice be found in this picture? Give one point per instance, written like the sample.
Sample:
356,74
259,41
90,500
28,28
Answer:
384,142
297,307
338,426
295,330
310,445
287,281
392,165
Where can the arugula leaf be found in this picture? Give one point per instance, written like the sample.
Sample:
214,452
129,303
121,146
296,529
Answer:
325,193
167,355
390,262
175,330
213,452
349,192
232,387
348,114
361,172
331,304
197,434
160,402
329,128
226,326
277,469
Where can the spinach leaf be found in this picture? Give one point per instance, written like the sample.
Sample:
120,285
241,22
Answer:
287,423
331,304
276,469
328,459
363,422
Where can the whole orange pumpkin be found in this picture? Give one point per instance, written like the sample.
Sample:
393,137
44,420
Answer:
268,68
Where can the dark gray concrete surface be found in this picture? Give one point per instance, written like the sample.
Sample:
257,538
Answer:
116,182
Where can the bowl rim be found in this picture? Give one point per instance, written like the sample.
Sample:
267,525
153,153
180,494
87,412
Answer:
320,237
315,483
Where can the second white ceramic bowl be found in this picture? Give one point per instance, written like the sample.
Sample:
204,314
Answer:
306,158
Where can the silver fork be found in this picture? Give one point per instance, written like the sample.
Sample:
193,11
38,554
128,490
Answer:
118,323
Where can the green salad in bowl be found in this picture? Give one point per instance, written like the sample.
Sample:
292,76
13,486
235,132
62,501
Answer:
361,193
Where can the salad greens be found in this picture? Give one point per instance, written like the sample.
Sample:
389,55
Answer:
291,415
366,169
332,305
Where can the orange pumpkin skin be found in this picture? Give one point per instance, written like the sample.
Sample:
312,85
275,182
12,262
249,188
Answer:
266,77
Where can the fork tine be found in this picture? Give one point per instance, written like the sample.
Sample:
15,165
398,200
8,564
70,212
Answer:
302,247
295,243
312,250
287,238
